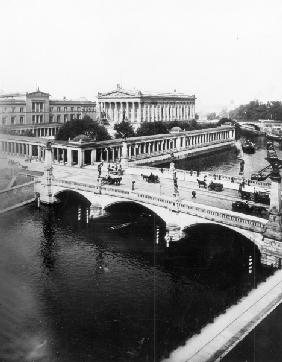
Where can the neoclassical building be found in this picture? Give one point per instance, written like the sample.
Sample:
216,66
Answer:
137,107
37,112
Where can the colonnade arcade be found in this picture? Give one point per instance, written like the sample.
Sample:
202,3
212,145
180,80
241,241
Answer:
137,111
81,154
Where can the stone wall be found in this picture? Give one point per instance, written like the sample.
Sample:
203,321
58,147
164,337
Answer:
18,195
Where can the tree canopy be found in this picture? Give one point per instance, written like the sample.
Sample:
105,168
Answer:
123,130
151,128
86,126
255,110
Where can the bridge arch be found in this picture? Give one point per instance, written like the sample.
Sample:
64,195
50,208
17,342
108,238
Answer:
254,239
148,207
66,193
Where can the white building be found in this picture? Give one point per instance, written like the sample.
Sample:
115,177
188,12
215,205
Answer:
137,107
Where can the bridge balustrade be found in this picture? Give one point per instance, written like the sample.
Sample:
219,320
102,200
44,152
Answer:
211,213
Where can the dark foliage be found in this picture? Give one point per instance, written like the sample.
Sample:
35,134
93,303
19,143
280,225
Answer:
85,126
255,110
124,130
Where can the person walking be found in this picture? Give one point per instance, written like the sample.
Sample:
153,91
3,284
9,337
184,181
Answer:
193,194
132,185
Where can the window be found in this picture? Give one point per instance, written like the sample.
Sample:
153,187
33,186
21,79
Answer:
72,117
41,118
51,109
58,118
78,109
65,109
71,109
33,119
13,109
21,119
21,109
13,120
65,118
58,109
4,120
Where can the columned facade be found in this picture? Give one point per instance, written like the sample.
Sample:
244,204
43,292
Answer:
138,107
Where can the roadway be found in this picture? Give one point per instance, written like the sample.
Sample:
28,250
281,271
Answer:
89,174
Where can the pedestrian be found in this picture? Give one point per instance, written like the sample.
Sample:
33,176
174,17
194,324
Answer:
132,185
162,170
193,194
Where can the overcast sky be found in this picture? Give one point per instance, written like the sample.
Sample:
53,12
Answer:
225,52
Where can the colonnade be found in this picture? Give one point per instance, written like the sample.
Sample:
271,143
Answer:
134,111
41,131
133,148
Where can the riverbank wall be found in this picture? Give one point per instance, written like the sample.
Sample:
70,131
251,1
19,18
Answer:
220,337
182,154
16,196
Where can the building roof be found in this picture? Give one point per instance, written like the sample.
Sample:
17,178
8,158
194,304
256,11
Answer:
125,93
17,96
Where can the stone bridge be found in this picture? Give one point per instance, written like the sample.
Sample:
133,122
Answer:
177,214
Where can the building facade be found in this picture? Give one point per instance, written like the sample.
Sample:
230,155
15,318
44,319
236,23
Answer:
39,113
137,107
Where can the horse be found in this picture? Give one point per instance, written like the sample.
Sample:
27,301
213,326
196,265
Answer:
202,183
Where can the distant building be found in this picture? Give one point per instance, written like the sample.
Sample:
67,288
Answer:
138,107
37,112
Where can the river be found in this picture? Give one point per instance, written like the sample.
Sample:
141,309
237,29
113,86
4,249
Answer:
73,288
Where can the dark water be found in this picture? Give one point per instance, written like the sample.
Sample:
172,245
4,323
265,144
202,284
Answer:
263,344
228,161
72,290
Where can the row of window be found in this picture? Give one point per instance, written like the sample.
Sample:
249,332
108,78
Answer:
38,107
38,118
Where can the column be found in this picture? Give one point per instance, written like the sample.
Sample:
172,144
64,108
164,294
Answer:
115,112
79,157
93,156
139,113
167,111
132,112
127,111
153,113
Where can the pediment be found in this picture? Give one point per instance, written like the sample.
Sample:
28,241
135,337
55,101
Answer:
38,94
117,94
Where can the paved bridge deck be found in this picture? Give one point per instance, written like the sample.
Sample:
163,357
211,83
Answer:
89,175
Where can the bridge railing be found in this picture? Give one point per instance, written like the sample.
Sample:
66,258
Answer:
210,213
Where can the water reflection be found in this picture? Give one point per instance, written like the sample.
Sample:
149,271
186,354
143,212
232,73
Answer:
48,242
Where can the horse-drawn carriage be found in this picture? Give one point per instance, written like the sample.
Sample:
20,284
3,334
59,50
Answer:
258,196
250,209
151,178
111,180
213,186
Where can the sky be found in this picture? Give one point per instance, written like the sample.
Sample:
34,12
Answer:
226,52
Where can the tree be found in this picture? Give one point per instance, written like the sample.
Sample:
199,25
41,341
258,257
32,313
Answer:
123,130
85,126
211,116
151,128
